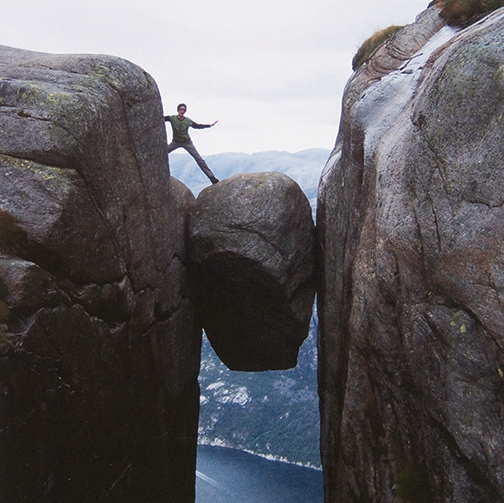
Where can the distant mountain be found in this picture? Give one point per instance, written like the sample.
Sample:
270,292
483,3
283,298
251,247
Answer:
305,167
273,414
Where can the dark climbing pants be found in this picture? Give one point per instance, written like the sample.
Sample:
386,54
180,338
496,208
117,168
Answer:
189,147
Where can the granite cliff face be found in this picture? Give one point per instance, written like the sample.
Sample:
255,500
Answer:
410,219
103,255
100,350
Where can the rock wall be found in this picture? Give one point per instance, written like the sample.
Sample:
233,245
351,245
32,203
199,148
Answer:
99,338
99,353
411,347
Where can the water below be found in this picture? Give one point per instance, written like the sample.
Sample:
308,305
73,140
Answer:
228,475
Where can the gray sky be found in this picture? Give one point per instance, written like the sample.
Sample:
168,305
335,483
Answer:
271,71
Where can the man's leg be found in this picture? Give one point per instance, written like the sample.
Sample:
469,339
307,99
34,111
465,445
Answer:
189,146
173,146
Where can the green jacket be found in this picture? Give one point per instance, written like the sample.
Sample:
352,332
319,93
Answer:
180,127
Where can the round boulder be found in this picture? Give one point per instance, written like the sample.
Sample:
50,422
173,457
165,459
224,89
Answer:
252,251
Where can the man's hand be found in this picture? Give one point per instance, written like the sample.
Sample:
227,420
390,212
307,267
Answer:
214,123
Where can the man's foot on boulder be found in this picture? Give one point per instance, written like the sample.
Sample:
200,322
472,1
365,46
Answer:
214,180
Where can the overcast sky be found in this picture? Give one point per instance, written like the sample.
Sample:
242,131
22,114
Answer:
271,71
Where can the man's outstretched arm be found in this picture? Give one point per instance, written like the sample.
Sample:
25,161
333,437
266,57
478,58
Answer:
195,125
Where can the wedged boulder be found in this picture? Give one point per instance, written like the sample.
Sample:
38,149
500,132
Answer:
251,241
99,354
411,317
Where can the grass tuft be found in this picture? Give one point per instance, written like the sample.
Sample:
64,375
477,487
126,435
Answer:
371,44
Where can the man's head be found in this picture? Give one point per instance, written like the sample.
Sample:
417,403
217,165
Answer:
181,110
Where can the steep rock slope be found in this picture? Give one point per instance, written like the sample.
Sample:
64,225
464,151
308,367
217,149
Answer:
99,350
411,346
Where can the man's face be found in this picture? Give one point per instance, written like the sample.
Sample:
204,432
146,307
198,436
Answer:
181,111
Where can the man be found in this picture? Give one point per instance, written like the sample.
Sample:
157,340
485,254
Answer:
180,126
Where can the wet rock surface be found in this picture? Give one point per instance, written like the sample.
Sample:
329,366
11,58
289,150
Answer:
99,353
251,247
411,347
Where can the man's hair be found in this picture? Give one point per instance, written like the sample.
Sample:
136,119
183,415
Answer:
181,105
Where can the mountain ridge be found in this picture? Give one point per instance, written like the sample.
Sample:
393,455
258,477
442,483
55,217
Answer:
304,167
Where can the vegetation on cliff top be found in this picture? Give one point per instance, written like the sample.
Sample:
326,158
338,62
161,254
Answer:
466,12
454,12
367,49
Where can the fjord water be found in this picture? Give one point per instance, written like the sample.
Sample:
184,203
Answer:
229,475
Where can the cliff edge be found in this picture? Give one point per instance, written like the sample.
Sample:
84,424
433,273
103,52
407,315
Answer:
109,270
